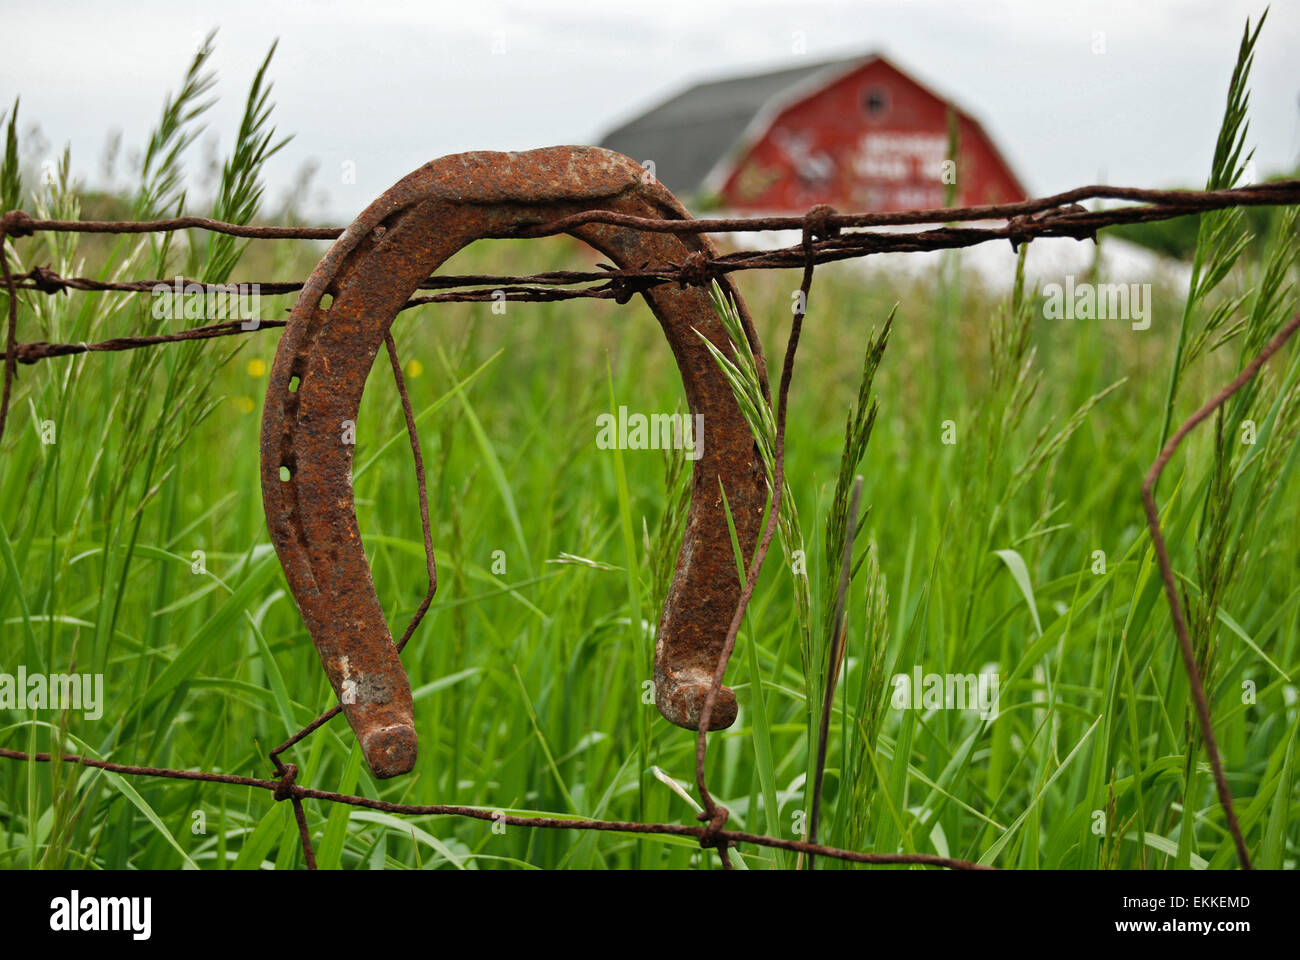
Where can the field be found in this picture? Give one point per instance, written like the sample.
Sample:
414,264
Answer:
1003,537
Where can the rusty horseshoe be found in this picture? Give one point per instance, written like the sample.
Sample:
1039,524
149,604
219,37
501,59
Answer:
333,336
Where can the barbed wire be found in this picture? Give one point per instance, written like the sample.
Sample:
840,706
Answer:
1055,216
286,788
823,240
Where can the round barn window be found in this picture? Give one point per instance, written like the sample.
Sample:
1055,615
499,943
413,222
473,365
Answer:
875,101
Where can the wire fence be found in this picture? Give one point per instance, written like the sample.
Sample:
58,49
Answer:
823,240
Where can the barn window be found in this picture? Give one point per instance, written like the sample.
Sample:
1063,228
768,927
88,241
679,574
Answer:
875,101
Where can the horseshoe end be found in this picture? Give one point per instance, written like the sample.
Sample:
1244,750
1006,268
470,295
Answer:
681,701
390,751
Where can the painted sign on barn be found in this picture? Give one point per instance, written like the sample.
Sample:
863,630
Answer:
873,139
858,134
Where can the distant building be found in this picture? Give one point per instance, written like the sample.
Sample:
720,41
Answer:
858,134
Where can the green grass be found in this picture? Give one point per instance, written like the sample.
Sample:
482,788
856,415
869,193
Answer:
975,556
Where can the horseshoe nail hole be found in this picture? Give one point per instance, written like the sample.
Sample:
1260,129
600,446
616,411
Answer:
293,384
284,474
326,301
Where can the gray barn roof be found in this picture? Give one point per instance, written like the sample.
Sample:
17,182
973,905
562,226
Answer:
688,134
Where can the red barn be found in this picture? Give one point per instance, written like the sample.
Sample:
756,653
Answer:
858,134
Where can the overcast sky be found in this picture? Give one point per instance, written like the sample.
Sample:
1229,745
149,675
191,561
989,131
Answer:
389,85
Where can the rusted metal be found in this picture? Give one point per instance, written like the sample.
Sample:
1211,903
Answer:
333,335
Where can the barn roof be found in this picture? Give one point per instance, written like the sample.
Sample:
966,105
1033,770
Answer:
688,134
